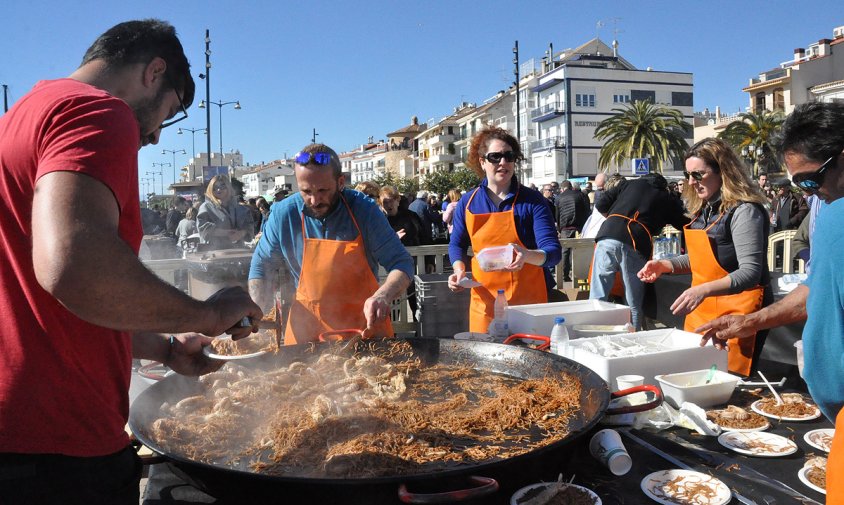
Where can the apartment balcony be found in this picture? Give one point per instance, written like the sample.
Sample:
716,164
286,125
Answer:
548,143
444,158
547,111
447,138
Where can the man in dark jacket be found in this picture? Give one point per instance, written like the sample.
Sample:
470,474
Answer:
787,210
636,210
572,212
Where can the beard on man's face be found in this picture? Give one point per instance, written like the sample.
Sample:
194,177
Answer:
322,209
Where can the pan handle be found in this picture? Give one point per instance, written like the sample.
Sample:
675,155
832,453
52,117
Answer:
632,409
485,486
337,335
546,341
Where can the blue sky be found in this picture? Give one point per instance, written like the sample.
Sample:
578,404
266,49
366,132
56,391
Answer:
358,69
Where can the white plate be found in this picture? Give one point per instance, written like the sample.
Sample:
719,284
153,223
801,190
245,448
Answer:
652,484
739,442
805,480
514,500
209,351
815,438
756,409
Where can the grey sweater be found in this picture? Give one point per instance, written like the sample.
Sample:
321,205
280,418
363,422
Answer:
748,231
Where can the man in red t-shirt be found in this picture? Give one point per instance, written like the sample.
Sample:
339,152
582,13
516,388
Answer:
76,304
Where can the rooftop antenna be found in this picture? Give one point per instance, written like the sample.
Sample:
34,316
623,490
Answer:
600,24
615,32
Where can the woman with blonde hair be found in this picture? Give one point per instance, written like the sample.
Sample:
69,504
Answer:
448,214
222,223
369,189
726,244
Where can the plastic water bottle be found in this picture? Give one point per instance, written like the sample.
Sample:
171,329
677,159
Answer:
560,337
658,249
500,328
675,245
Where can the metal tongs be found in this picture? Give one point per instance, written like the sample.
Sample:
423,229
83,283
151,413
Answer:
350,343
266,324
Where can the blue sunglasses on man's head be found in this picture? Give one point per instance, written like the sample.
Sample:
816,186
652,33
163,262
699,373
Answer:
317,158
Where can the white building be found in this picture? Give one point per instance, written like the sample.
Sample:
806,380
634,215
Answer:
437,149
365,162
579,89
813,73
496,111
260,180
193,170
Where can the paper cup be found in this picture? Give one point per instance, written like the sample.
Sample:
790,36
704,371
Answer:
606,447
799,346
629,381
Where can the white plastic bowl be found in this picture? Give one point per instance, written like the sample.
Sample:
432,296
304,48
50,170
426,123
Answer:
691,387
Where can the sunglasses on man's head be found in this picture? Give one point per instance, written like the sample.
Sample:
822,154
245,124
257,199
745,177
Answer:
698,176
811,182
317,158
508,156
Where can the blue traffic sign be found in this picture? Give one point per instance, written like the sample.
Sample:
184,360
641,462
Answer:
641,166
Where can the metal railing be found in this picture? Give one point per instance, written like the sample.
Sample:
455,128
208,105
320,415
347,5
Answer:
557,142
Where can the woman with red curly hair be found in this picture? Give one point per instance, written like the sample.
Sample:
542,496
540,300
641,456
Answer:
501,211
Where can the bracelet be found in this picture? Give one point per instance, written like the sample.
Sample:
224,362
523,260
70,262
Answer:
172,344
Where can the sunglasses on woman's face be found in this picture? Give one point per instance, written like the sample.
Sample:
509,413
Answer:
811,182
698,176
508,156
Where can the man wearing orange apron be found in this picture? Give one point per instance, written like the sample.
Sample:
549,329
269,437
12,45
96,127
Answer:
332,241
523,287
636,210
706,268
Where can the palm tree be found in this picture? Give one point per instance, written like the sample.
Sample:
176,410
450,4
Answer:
751,134
642,130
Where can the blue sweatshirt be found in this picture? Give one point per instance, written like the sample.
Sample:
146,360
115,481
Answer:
534,223
282,243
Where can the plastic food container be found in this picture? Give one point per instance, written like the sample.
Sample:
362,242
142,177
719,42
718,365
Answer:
645,353
691,387
596,330
495,258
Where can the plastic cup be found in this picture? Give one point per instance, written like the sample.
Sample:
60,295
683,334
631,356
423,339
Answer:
606,447
629,381
799,346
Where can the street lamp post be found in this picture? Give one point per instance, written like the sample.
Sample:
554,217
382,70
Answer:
193,139
173,151
220,104
161,173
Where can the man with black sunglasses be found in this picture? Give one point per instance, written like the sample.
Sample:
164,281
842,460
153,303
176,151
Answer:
812,145
75,301
332,241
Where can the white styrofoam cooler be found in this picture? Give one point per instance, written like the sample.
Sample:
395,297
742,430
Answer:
538,319
683,353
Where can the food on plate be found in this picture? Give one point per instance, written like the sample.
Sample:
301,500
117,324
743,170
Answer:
264,340
378,413
821,439
758,444
736,418
557,493
690,488
816,472
793,406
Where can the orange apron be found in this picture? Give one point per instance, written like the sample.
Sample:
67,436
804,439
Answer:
835,463
522,287
618,285
334,283
705,268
